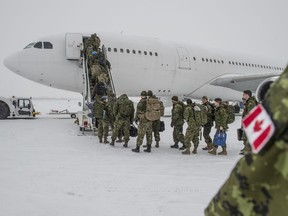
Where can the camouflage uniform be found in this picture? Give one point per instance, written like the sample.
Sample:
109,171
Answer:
145,126
192,131
177,122
258,184
122,122
220,122
249,105
207,127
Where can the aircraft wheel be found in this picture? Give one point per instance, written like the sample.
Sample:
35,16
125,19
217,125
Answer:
4,110
73,115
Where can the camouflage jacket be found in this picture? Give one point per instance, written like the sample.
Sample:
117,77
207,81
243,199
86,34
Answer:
123,99
177,114
221,118
249,105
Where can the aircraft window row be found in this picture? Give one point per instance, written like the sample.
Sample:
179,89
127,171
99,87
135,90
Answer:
128,51
254,65
212,60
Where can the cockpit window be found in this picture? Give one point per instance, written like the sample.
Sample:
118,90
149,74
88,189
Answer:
29,46
38,45
48,45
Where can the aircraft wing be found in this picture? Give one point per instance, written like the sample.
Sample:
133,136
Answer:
242,82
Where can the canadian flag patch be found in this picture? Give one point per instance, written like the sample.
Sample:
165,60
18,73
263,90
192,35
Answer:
258,127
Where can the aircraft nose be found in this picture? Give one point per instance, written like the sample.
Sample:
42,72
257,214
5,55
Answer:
12,62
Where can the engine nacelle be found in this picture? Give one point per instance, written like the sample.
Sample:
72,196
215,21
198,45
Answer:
263,88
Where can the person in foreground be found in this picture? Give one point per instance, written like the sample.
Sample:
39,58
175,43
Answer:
258,184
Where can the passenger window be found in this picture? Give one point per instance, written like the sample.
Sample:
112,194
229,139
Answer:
121,50
211,60
48,45
222,62
156,54
115,49
38,45
236,63
145,53
214,61
233,63
203,59
229,62
218,61
207,60
133,51
194,58
109,49
139,52
127,50
150,53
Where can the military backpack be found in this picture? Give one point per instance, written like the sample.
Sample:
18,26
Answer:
153,109
126,107
98,110
201,114
230,112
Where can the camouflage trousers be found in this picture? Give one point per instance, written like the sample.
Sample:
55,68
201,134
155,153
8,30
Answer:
155,130
246,144
121,125
144,128
206,134
257,186
103,128
178,134
192,134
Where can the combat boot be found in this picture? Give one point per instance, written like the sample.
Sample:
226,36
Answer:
186,152
223,152
175,145
182,148
100,140
157,144
125,145
205,148
119,141
195,150
106,141
112,143
213,151
145,146
148,149
137,149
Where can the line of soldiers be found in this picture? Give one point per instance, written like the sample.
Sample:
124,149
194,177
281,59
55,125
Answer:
119,115
98,66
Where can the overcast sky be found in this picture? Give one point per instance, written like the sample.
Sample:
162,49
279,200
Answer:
253,27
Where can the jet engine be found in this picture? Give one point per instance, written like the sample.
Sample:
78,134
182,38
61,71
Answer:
263,88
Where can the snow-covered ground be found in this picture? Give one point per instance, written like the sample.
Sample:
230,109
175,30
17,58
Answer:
48,168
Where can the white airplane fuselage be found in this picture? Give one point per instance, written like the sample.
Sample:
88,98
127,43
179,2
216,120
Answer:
139,64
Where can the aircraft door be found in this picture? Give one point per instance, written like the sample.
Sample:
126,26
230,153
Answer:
74,45
184,60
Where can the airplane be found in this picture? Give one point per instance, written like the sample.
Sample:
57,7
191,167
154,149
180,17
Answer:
139,63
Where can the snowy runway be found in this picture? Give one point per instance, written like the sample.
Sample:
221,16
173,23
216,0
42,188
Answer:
48,169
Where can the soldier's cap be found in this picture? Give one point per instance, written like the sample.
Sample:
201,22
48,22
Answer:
103,97
174,98
189,101
248,92
218,100
205,97
150,93
143,93
93,52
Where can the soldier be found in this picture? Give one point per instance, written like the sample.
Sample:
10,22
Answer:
102,118
145,126
155,124
192,131
207,127
177,121
124,113
258,184
250,103
220,125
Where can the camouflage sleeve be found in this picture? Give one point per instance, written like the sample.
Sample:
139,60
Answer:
250,106
132,112
140,108
116,109
187,114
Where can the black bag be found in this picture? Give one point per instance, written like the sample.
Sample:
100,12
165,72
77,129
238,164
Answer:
240,134
162,126
133,131
100,89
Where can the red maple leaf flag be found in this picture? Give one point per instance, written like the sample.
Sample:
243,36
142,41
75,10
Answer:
258,127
